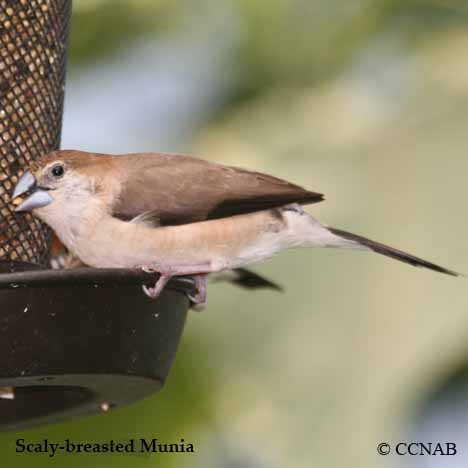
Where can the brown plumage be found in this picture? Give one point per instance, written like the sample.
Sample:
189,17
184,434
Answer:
181,189
177,215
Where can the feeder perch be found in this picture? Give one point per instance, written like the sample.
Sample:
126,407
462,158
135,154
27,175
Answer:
72,342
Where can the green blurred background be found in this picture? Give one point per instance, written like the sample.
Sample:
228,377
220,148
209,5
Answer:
363,100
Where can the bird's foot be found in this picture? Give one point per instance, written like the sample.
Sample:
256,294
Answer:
198,298
158,287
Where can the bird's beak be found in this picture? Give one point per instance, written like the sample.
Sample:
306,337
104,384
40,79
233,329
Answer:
38,197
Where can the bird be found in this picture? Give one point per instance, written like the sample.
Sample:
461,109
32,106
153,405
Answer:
178,215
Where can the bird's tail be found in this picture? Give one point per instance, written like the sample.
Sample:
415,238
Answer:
307,231
368,244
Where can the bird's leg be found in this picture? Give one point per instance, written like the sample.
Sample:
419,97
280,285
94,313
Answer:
167,272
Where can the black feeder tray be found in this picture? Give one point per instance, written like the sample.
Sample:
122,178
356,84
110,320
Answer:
81,341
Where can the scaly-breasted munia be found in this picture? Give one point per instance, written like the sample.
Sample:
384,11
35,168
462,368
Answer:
177,215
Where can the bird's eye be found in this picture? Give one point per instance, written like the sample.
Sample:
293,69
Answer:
58,171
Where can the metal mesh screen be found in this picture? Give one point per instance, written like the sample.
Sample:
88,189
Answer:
33,45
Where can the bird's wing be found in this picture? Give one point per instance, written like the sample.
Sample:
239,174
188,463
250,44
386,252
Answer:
181,189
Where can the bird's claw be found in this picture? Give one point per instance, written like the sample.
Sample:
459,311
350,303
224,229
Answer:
198,297
150,292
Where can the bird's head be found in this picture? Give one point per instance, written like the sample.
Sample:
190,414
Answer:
62,182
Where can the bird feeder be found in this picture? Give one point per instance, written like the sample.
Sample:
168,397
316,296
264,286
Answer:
72,342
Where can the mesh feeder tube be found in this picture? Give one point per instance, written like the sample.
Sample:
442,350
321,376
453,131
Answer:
33,43
72,342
